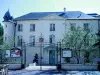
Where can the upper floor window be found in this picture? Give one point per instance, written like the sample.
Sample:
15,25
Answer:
32,40
52,27
20,27
51,38
86,41
5,26
5,38
19,43
32,27
86,26
72,26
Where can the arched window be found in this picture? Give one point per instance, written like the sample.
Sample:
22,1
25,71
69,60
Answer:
51,38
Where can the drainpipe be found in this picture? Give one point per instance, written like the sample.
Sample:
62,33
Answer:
15,24
99,32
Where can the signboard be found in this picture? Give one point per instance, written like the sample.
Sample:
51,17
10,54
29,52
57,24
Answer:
15,53
7,53
67,53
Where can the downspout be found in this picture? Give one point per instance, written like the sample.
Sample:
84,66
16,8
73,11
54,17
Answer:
98,25
99,32
15,24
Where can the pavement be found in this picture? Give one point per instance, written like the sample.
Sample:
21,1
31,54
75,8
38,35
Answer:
52,72
49,70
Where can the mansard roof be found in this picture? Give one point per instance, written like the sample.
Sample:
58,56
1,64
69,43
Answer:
67,15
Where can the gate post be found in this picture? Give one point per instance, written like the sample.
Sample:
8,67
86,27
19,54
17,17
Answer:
23,56
59,64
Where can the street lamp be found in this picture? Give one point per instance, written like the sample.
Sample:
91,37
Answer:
41,40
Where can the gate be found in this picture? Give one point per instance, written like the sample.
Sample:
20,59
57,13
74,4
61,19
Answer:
45,53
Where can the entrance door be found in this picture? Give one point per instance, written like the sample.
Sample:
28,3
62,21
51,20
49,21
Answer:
51,57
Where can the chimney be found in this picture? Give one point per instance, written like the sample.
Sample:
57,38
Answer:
64,10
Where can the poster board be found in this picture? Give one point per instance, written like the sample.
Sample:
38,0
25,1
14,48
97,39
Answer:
15,53
66,53
7,53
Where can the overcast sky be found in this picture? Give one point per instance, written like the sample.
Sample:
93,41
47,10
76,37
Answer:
21,7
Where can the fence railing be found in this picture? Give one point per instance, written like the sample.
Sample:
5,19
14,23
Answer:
82,57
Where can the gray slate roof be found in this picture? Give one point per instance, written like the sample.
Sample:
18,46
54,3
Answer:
67,15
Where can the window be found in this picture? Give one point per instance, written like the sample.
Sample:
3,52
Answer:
19,43
5,26
5,38
86,26
73,26
20,27
32,40
51,39
52,27
32,27
86,41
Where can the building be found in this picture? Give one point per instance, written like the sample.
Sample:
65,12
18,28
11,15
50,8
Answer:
51,26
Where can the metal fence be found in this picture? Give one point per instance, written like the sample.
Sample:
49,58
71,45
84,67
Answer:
10,56
47,54
85,57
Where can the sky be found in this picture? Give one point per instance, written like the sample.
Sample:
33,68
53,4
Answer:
21,7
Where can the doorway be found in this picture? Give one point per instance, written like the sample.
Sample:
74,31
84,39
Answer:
52,57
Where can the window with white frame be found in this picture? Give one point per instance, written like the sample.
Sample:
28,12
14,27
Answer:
51,39
20,27
52,27
72,26
86,26
6,26
19,42
32,27
5,38
86,41
32,40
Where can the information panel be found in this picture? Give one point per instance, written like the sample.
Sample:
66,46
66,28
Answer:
67,53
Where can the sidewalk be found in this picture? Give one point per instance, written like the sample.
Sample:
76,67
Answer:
52,72
49,70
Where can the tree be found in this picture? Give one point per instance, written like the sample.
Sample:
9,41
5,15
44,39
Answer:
1,34
97,44
80,41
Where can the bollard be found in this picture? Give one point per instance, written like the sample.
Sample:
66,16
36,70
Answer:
59,67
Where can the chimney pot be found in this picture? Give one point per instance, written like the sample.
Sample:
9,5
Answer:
64,10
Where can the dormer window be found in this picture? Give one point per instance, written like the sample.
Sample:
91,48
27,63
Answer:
20,27
52,27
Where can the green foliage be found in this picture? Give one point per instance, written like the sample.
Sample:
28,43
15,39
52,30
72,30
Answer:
76,39
81,42
1,34
1,30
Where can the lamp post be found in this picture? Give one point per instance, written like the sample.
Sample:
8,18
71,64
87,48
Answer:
41,41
